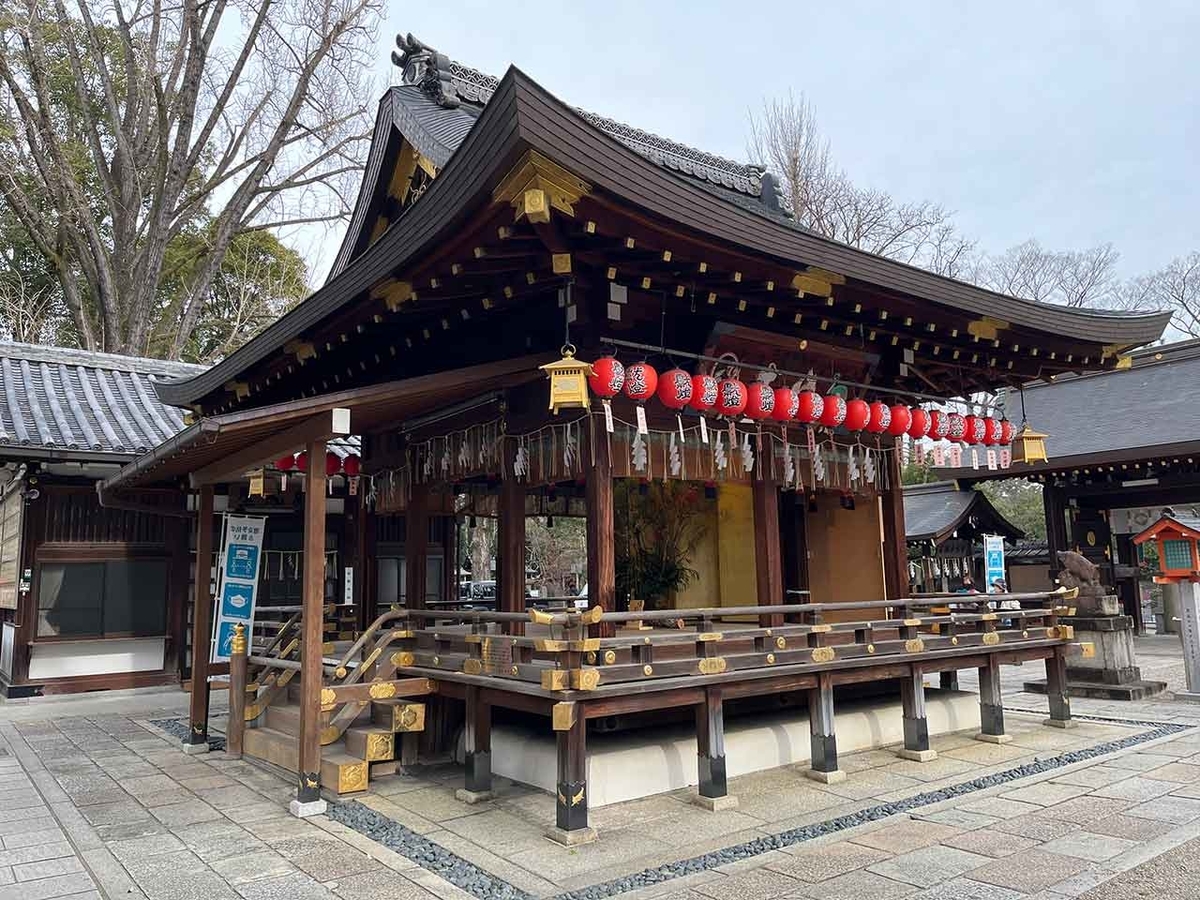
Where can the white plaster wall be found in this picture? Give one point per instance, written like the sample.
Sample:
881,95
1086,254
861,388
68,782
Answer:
106,657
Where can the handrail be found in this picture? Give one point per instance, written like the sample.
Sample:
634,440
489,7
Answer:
374,627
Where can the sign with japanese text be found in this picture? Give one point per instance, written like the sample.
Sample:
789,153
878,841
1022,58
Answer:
993,558
237,582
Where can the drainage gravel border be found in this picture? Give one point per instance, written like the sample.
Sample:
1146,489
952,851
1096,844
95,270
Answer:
180,728
485,886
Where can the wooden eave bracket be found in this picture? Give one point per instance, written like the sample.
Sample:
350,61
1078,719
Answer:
535,186
302,350
986,328
816,281
239,389
394,293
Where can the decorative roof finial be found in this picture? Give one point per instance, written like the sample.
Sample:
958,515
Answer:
424,66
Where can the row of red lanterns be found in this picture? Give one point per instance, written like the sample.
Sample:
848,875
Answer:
677,389
351,465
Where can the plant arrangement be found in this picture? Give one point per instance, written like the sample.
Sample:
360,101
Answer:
657,527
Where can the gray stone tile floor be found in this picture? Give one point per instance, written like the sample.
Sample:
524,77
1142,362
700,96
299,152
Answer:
96,802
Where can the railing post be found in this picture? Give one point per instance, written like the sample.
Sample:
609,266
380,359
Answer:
1056,690
991,704
235,729
710,752
916,726
824,761
478,745
571,808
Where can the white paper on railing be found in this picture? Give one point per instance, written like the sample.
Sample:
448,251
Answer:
237,581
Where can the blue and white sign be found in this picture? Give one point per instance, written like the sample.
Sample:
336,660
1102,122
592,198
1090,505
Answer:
237,583
993,558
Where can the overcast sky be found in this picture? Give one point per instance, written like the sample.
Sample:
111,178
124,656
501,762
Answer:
1071,122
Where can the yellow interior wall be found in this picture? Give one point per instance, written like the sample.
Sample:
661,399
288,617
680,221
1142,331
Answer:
845,559
735,545
705,590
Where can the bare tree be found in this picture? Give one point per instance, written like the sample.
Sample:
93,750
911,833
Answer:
125,123
1072,278
1176,287
29,312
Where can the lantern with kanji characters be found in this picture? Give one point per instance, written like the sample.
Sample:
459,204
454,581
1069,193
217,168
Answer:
901,418
352,465
811,405
974,429
731,397
833,410
760,401
858,414
787,404
568,381
674,389
956,426
641,381
918,425
991,431
938,425
881,418
1006,432
704,393
333,463
607,377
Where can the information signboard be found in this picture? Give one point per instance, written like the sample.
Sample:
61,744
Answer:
237,582
993,558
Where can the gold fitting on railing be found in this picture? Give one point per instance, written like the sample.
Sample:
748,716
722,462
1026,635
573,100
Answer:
540,618
237,646
713,665
991,639
585,679
823,654
472,666
1087,650
820,629
912,623
709,636
593,615
916,645
403,659
1067,593
610,657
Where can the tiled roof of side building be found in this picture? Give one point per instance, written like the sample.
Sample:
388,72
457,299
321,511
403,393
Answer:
932,511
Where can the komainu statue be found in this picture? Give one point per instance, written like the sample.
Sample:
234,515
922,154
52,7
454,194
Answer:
1080,572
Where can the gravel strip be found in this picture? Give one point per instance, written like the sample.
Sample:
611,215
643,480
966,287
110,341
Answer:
180,728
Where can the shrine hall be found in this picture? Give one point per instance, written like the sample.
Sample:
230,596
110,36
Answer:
539,312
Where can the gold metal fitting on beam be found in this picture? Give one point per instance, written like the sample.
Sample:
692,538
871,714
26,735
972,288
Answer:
823,654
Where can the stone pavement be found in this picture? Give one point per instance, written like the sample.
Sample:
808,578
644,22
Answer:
95,801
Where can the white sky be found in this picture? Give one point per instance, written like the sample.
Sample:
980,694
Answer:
1071,122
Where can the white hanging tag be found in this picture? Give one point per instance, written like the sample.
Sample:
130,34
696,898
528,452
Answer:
812,442
608,418
974,458
679,422
956,456
282,482
641,420
939,455
703,430
354,486
991,460
1005,457
918,453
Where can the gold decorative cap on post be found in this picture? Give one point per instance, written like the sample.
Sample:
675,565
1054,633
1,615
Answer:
568,381
237,646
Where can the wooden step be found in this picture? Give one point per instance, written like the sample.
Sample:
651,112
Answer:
340,772
371,742
286,718
398,715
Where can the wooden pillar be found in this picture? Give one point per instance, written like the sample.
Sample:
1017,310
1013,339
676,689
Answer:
948,680
477,734
235,728
769,559
416,544
895,546
510,551
197,739
991,704
710,752
1056,690
449,557
823,741
916,726
1054,503
601,545
571,808
308,791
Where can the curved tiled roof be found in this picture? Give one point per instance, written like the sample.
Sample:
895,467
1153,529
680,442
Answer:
82,404
934,511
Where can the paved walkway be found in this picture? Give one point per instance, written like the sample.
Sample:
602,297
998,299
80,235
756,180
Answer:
97,802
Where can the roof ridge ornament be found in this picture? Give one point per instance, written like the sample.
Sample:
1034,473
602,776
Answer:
449,82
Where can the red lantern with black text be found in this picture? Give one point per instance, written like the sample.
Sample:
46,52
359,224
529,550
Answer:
641,381
858,414
285,463
704,393
760,401
1006,432
607,378
956,426
918,425
991,431
675,389
881,418
833,412
333,463
810,407
975,429
901,419
731,397
787,404
302,461
352,465
938,425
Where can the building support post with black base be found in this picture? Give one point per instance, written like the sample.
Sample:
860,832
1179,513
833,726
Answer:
197,739
916,725
991,704
710,752
823,740
477,736
571,798
1056,690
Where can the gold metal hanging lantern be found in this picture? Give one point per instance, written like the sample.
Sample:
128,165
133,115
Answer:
568,381
1028,446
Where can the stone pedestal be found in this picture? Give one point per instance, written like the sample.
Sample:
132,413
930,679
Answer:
1112,674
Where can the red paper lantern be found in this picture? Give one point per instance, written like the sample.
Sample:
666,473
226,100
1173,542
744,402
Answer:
607,378
858,414
956,426
760,401
918,425
302,461
975,429
937,425
704,392
285,463
833,411
881,418
352,465
675,389
1006,432
991,431
731,397
901,419
333,463
810,407
641,381
787,404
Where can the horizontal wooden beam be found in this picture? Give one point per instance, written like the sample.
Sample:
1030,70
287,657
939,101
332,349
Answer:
321,426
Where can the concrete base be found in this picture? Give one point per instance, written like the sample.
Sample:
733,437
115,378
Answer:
308,808
1113,673
917,755
195,749
383,769
1099,690
473,797
994,738
572,838
1190,696
837,776
716,804
1059,723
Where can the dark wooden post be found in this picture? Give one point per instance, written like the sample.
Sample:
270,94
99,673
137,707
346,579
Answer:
571,808
477,734
895,546
235,729
510,551
948,680
823,741
601,546
1054,502
991,704
710,752
416,544
197,739
769,558
1056,690
308,800
916,726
